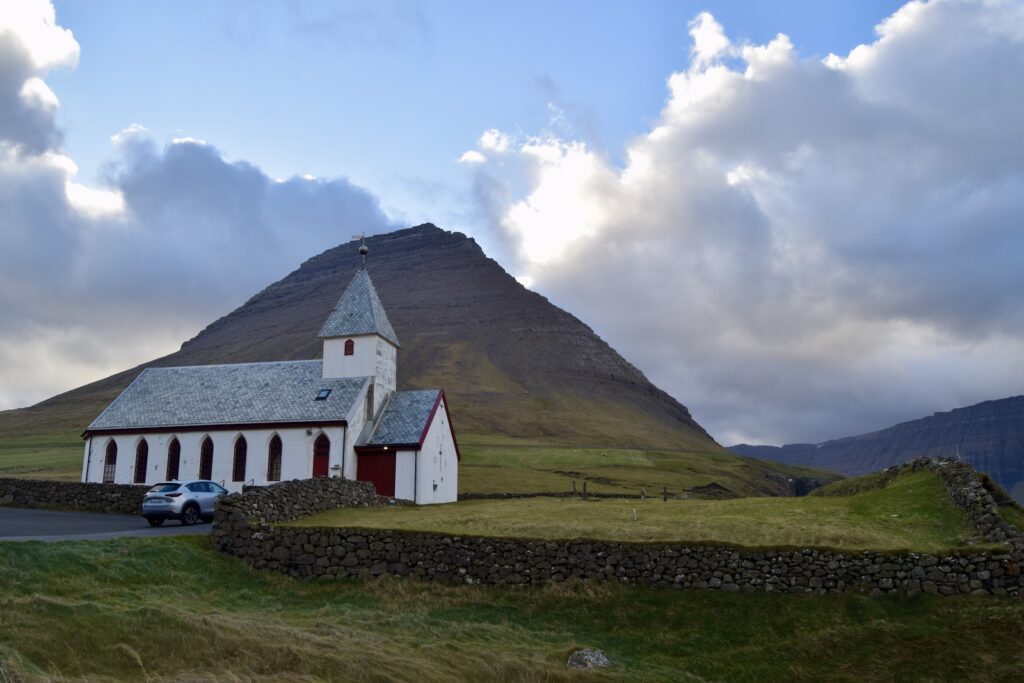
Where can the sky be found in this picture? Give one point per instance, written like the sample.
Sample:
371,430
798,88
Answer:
801,219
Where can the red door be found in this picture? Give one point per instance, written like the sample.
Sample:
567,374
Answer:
321,455
378,468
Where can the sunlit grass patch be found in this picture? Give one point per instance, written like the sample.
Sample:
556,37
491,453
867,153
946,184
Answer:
913,512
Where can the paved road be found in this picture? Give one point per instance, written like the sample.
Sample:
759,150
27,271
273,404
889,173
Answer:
24,524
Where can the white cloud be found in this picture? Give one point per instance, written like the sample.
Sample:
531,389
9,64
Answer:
494,140
472,157
34,23
97,279
801,249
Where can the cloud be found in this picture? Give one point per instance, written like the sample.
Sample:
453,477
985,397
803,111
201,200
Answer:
801,249
96,279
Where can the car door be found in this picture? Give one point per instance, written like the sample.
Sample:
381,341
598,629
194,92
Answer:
216,491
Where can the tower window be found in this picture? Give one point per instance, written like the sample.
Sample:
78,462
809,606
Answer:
350,347
324,393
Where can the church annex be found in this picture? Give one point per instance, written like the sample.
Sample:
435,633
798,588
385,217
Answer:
260,423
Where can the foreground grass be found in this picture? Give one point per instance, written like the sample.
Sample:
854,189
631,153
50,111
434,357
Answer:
171,608
49,456
492,464
912,512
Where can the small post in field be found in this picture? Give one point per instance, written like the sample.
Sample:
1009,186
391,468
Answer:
584,489
643,494
574,487
664,493
634,514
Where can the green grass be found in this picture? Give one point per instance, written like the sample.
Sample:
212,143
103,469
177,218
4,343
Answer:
52,456
912,513
163,609
503,465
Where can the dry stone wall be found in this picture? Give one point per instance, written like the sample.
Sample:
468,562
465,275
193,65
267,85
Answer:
244,527
72,495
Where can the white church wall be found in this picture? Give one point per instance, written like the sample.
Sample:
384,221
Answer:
296,455
362,362
438,469
405,474
385,371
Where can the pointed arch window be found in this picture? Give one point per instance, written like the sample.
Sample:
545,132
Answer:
141,461
206,459
110,462
173,460
274,459
350,347
238,467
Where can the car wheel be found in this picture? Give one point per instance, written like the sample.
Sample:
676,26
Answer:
155,521
190,515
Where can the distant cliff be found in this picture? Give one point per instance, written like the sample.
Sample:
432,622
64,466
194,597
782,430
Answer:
989,436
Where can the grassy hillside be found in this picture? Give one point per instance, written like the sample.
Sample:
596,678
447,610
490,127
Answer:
495,464
912,513
172,609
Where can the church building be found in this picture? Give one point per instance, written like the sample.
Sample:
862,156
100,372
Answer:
260,423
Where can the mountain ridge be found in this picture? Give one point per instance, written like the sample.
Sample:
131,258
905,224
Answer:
512,362
988,435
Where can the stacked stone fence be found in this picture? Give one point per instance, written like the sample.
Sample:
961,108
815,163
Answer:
968,493
244,527
72,495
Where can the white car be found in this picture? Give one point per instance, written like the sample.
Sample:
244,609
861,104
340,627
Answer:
188,501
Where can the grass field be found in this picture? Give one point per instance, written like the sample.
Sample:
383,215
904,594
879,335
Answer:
501,464
53,456
489,464
163,609
912,513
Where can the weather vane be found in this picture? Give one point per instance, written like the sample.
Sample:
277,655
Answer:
363,249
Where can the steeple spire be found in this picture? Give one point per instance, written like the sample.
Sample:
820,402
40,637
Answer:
363,249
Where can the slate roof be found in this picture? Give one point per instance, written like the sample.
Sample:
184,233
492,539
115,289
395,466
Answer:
242,393
359,311
404,418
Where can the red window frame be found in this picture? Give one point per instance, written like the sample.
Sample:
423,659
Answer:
238,465
110,462
350,347
141,461
206,459
274,459
173,460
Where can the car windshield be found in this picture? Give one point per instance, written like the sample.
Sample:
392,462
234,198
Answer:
164,488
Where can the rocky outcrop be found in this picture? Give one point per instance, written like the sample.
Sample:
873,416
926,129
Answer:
988,436
72,495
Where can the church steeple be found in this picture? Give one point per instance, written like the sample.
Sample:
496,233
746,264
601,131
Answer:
359,311
359,340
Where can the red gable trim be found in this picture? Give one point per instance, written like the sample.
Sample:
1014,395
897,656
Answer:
451,427
391,447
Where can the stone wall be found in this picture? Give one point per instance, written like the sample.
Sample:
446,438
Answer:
290,500
333,552
244,527
72,495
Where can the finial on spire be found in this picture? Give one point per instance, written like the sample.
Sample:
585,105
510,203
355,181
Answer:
363,249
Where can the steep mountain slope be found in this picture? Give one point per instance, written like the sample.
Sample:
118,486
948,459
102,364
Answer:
511,362
988,435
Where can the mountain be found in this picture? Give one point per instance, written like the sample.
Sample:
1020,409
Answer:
988,435
511,362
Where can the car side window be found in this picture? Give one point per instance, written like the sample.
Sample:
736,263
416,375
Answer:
198,487
214,488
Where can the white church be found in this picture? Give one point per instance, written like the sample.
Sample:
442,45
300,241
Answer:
260,423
